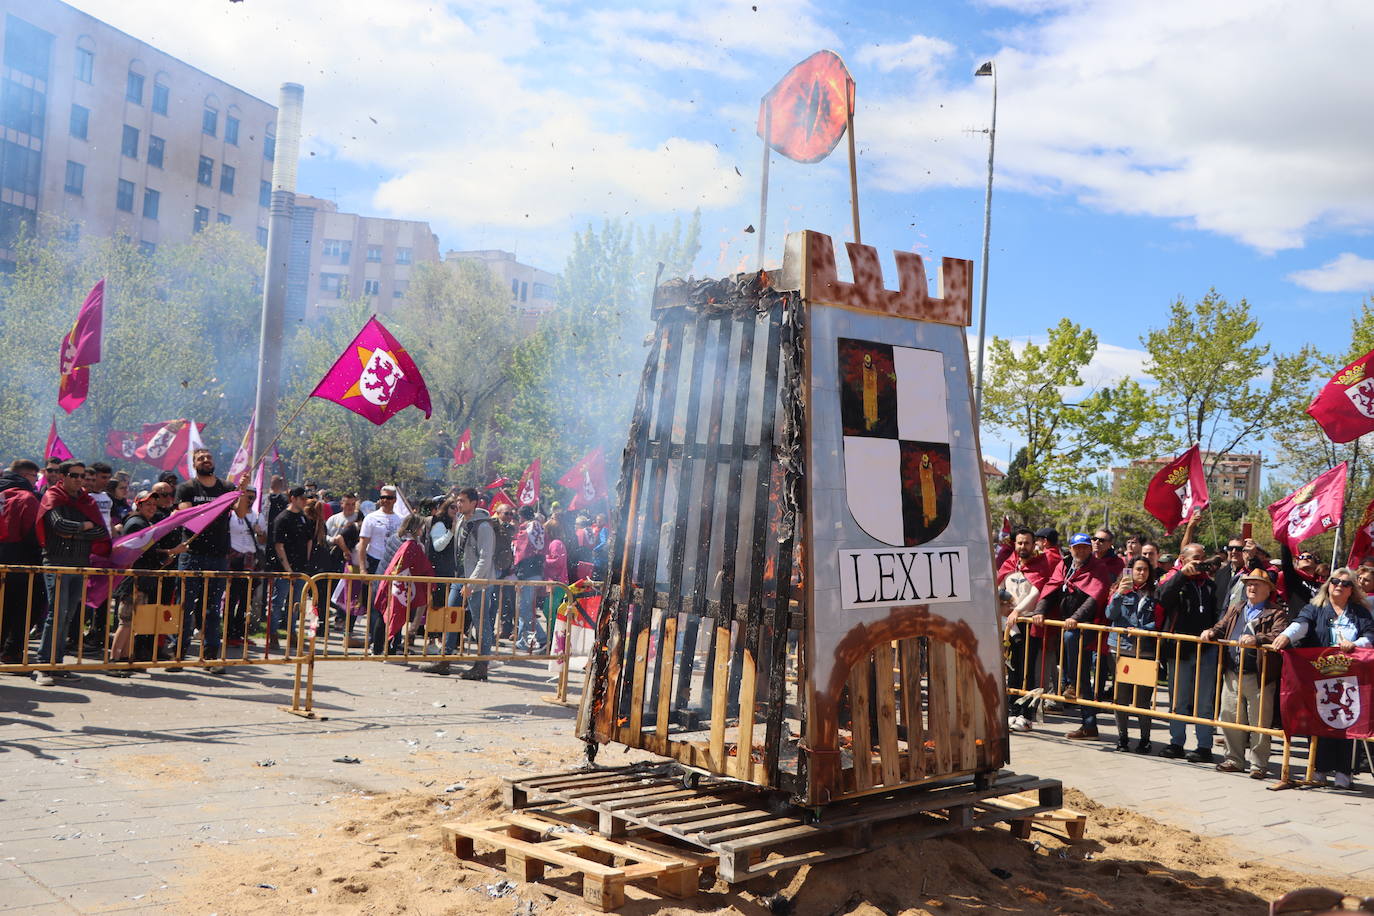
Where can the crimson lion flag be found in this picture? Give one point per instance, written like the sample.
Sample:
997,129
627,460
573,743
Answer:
587,480
398,600
1328,693
806,113
1344,408
1311,509
527,493
1178,490
462,452
120,444
1362,544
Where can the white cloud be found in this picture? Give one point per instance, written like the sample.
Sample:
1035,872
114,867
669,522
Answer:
919,52
1348,273
1231,116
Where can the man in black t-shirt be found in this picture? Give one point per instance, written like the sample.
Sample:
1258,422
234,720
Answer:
293,539
208,550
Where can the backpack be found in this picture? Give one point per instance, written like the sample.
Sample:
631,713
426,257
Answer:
503,554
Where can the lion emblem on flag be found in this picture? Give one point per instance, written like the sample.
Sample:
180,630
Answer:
896,440
1338,701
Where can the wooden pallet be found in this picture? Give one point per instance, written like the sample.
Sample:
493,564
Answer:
755,832
1074,823
534,840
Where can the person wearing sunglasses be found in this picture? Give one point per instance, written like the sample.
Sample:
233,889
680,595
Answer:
1337,617
1298,580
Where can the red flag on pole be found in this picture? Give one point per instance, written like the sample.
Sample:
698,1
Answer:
1005,533
1344,408
462,452
527,493
805,114
1328,693
497,483
55,447
499,499
1362,544
120,444
166,445
1178,490
587,480
80,349
375,377
1311,509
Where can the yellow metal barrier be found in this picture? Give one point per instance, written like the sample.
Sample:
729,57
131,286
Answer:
1051,667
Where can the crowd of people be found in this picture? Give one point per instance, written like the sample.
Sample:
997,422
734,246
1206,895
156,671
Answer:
1237,611
68,513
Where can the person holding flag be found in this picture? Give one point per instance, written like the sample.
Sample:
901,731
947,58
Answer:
1336,618
208,552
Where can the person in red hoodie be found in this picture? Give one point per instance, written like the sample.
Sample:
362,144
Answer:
70,527
25,597
1022,573
1077,593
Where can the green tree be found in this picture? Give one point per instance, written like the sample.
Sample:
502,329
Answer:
573,383
1067,440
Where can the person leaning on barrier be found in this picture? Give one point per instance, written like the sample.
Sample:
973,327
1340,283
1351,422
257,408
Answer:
1134,605
1336,618
25,598
474,547
1189,598
1076,593
139,589
208,552
1022,574
70,525
1248,696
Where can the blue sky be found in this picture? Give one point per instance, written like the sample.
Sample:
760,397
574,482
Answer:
1145,150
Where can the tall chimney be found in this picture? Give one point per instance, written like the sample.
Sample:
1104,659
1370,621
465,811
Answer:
278,255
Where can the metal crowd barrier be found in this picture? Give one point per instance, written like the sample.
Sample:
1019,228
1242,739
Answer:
170,618
1064,665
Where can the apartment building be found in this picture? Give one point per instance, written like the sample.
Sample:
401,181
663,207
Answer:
337,256
112,135
1235,476
533,291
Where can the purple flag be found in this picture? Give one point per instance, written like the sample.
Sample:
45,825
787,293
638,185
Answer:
80,349
375,377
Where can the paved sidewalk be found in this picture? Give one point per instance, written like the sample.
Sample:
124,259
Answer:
107,788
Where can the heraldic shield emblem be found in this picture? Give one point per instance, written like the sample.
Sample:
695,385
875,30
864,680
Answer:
896,440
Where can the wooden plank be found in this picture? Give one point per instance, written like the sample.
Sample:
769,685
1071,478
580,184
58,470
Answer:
860,729
966,728
740,819
535,850
941,702
724,834
676,819
910,651
596,794
640,675
667,648
889,755
719,699
687,805
744,757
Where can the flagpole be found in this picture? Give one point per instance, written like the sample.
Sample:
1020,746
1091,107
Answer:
763,191
280,429
853,180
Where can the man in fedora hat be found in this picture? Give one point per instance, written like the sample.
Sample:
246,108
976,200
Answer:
1249,672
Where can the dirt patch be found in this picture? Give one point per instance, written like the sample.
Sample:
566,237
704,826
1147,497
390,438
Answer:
381,854
159,767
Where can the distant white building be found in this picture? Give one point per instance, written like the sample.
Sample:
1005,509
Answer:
532,290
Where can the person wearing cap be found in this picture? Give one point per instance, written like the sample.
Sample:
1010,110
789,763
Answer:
1077,593
1249,673
1189,598
141,588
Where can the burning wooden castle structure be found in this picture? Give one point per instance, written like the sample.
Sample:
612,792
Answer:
801,592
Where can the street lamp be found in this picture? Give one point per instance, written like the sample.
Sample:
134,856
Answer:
986,70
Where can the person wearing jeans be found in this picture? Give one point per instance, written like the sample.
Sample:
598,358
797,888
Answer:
293,539
474,548
1189,599
70,525
207,551
530,549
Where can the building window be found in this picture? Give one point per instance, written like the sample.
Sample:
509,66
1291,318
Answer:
124,196
224,219
80,122
205,174
209,122
515,289
398,291
147,249
76,178
231,129
160,95
338,248
542,291
156,146
151,199
201,219
331,283
402,255
130,144
374,253
264,193
262,236
22,108
372,287
524,292
19,171
226,179
269,148
85,65
133,89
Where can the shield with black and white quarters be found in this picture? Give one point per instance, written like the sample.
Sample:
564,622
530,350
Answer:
896,440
